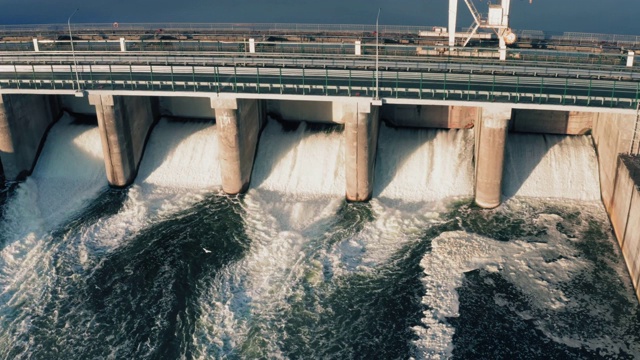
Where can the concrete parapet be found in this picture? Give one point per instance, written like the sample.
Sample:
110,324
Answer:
491,137
612,135
24,122
125,123
239,123
624,212
552,122
362,125
430,116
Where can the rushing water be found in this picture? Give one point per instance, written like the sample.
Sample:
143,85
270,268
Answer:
170,268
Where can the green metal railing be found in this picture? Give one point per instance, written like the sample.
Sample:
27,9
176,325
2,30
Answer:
327,82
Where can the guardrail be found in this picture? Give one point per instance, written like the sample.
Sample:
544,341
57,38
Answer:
421,63
564,58
629,40
326,82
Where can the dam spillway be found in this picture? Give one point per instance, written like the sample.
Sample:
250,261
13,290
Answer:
169,266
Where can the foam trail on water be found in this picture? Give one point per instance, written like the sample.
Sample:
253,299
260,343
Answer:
424,165
545,270
551,166
179,167
69,172
298,185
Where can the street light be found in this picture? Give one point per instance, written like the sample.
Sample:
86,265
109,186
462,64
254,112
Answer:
73,53
377,56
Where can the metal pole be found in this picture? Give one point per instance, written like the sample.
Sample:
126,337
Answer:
377,56
73,53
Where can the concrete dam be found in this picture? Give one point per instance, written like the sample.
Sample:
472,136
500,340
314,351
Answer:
126,122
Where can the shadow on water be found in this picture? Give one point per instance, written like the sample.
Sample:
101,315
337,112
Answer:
141,300
523,153
270,151
161,151
395,155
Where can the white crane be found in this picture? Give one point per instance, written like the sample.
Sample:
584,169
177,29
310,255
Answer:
497,20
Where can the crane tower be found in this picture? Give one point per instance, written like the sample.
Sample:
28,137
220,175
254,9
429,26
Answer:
497,20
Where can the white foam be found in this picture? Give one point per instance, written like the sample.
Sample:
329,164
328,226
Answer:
551,166
520,262
181,154
300,162
418,165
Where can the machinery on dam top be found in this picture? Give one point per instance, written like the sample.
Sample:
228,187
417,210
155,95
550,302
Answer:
496,20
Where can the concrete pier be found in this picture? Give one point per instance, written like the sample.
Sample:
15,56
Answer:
239,123
362,124
491,137
24,122
124,122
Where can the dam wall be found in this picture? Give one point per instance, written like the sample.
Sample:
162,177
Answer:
24,123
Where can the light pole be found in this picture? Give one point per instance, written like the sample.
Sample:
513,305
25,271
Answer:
73,53
377,56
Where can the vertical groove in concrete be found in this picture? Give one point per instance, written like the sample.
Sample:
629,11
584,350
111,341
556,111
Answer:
24,122
239,123
490,147
125,123
361,138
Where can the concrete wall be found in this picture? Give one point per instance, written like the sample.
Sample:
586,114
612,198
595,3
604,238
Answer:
625,211
186,107
313,111
612,136
362,125
552,122
76,105
125,123
239,123
430,116
24,122
491,138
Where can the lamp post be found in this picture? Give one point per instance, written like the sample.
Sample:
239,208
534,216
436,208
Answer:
73,53
377,56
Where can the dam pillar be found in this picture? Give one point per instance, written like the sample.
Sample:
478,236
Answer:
24,122
362,124
125,123
239,123
491,137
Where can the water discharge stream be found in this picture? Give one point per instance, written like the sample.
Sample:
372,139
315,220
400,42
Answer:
169,268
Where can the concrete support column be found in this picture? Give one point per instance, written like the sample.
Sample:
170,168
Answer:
125,123
362,123
36,46
239,123
252,46
24,122
491,138
358,49
123,45
630,58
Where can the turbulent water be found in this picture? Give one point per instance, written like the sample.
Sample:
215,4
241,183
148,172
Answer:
170,268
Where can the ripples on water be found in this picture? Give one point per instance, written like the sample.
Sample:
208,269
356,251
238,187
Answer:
160,272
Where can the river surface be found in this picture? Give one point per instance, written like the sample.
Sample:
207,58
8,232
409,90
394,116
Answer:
170,268
609,17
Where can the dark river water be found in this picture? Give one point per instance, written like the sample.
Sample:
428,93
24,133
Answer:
612,17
